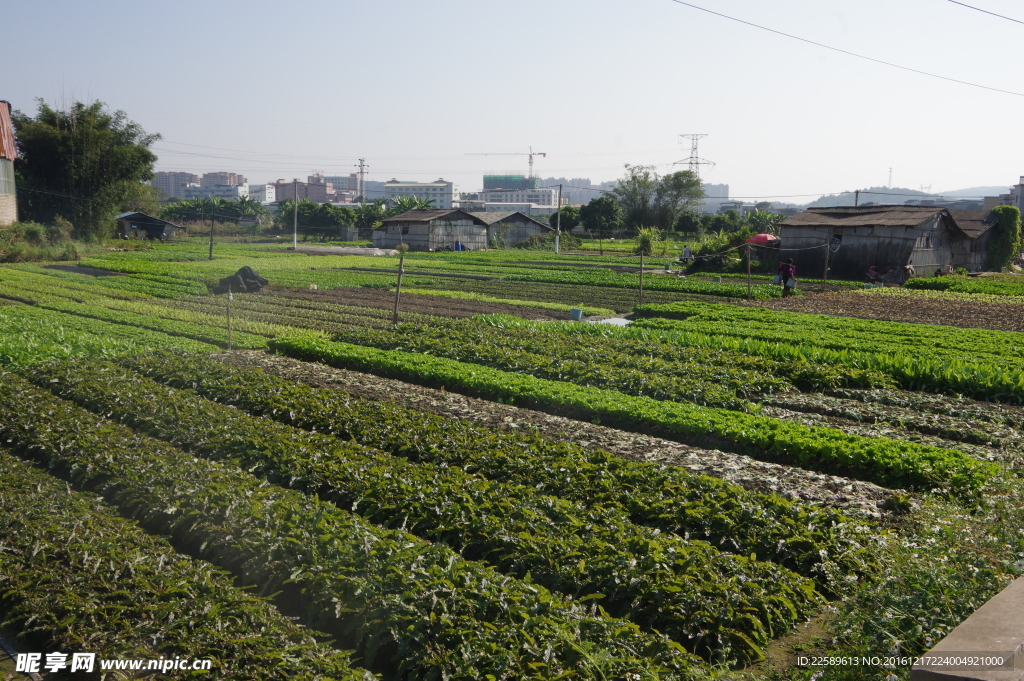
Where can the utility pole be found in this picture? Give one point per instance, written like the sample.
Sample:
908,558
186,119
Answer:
558,219
295,214
362,181
856,198
202,215
890,178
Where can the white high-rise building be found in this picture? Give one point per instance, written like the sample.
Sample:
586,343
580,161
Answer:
264,193
443,194
539,197
231,192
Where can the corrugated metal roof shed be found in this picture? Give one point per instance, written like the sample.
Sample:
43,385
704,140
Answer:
973,223
428,215
498,216
909,216
7,148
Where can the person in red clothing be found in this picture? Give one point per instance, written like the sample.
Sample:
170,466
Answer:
787,276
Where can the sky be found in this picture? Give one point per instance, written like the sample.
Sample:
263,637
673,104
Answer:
420,89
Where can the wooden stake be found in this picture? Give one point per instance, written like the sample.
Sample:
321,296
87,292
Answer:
398,289
641,276
229,317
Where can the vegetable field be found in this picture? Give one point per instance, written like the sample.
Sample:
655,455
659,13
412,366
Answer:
165,498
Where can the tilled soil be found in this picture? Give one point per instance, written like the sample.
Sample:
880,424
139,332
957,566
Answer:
418,303
760,476
968,314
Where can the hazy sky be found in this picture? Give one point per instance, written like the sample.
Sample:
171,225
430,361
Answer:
276,90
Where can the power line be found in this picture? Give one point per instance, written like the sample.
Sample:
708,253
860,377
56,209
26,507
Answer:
847,52
963,4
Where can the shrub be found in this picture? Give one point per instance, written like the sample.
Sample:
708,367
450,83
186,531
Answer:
1005,242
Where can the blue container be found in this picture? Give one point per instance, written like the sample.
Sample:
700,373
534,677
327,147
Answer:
575,314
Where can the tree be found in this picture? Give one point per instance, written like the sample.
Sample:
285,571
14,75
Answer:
403,204
637,193
688,222
570,218
141,198
676,193
764,223
370,215
82,163
602,216
648,199
763,205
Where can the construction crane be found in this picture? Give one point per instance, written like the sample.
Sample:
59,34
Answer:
530,153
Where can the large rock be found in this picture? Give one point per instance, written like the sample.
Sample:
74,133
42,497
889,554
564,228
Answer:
245,280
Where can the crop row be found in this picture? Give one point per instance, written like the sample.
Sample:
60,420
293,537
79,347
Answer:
706,599
144,284
599,276
295,312
660,370
991,285
151,313
917,356
620,300
892,292
30,334
887,462
82,579
815,542
411,608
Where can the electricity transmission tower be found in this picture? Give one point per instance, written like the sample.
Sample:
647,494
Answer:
695,161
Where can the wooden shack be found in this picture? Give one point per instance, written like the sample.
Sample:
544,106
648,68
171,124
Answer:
432,230
142,226
911,240
508,228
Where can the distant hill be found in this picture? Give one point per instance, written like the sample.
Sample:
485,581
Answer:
900,195
871,194
978,191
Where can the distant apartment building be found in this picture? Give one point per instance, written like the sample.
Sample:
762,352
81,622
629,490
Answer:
264,193
217,179
715,196
1014,198
539,197
316,191
510,182
229,192
577,191
443,194
173,184
343,182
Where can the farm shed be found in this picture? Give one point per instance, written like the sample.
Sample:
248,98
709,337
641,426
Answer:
432,230
8,152
925,238
510,228
142,226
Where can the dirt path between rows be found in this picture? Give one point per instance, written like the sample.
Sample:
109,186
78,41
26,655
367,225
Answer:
792,482
963,313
